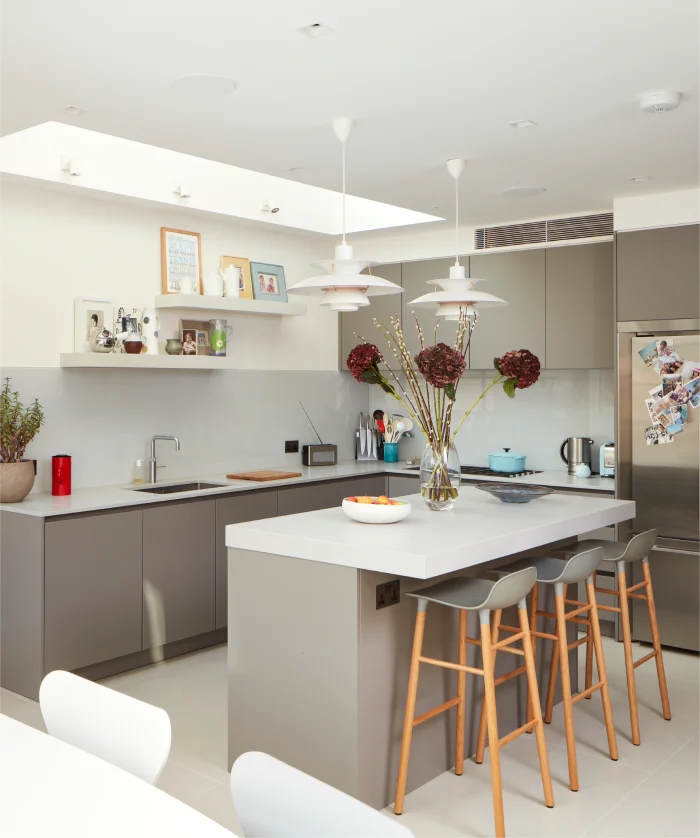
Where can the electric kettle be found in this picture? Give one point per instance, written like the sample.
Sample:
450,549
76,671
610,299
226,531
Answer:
576,450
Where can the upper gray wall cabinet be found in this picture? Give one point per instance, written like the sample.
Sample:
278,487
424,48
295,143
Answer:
658,274
580,326
362,321
518,278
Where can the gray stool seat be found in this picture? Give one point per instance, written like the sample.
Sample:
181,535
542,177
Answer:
564,571
475,594
634,550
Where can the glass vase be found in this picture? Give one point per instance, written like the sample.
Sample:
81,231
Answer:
440,477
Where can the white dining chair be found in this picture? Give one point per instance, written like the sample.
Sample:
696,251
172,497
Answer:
274,800
120,729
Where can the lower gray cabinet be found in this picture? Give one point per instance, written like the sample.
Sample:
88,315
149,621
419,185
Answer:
179,559
401,485
325,495
92,589
236,510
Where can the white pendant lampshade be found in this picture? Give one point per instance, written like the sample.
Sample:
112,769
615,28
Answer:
457,296
343,286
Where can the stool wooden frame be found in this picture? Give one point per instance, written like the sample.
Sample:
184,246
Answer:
489,647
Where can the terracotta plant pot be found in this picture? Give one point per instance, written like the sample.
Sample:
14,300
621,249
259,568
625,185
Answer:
16,480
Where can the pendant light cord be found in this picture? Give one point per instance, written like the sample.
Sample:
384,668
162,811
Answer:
343,192
456,221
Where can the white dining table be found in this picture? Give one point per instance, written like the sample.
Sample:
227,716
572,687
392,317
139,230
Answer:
49,788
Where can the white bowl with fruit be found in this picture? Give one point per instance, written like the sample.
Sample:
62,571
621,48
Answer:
379,510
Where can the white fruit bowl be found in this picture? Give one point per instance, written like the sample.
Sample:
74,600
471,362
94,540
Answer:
376,513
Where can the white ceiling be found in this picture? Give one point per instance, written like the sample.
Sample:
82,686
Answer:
425,79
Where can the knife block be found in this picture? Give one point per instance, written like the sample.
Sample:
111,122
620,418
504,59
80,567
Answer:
373,454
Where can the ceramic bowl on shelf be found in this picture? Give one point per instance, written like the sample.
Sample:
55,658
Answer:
376,513
510,493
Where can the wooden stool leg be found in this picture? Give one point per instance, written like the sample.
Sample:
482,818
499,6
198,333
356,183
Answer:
559,591
552,685
534,694
461,693
660,671
600,663
629,660
410,707
532,624
589,654
492,722
481,739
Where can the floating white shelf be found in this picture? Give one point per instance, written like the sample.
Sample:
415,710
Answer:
144,361
228,305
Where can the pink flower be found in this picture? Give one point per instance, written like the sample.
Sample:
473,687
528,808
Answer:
521,366
363,358
440,365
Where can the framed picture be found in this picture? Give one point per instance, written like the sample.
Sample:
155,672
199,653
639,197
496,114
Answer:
91,316
189,341
245,286
181,261
268,282
201,327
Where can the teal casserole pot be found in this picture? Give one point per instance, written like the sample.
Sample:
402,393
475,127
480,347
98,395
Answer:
506,461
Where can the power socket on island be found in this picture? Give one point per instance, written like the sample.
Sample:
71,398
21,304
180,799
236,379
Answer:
388,593
291,446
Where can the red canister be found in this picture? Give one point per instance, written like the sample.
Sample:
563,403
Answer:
61,474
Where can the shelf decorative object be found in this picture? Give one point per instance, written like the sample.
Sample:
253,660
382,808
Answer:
240,268
268,282
181,261
18,427
427,387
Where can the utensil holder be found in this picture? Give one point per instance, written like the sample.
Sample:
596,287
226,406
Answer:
391,452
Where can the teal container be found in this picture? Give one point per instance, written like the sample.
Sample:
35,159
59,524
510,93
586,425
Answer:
391,452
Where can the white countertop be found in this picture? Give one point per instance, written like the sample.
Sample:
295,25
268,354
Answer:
479,529
45,505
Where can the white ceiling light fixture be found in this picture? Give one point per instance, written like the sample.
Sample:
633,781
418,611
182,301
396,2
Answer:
74,110
660,101
71,165
316,30
457,297
343,285
524,191
639,178
523,123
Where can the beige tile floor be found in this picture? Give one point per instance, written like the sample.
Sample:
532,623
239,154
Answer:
653,790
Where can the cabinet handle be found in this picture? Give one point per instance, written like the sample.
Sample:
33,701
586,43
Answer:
671,550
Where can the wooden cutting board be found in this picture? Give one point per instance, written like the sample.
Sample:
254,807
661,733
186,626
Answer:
264,475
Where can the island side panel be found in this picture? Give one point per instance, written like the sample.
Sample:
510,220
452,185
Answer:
292,663
22,603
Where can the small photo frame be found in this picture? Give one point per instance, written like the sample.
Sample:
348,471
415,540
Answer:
245,284
181,261
268,282
189,341
91,317
201,327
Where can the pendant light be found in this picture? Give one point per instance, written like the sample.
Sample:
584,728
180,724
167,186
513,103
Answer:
343,285
457,296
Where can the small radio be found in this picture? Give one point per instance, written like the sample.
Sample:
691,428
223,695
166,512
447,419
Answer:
319,455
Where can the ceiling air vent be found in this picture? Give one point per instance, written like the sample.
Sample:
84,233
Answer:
541,232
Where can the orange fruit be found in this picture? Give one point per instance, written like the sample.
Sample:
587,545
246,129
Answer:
383,500
352,500
364,500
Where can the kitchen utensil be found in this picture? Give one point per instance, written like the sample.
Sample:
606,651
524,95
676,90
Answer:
506,461
173,346
578,450
509,493
323,454
103,341
375,513
389,432
401,427
391,452
219,332
607,460
61,474
369,437
582,470
133,344
363,438
263,475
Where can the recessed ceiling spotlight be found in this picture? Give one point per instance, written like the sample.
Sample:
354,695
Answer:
524,191
639,178
295,170
523,123
74,110
316,30
660,101
203,85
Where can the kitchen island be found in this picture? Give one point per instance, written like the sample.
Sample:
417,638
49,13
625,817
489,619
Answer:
318,656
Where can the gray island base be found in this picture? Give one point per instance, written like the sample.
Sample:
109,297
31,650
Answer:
318,673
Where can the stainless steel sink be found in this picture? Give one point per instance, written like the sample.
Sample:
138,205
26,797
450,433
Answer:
172,488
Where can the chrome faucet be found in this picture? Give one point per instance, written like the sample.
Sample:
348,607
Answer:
152,459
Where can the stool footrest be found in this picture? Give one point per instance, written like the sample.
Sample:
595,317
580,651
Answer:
526,728
614,608
448,665
609,591
569,617
578,642
543,634
586,693
641,584
502,644
637,596
453,702
645,658
512,674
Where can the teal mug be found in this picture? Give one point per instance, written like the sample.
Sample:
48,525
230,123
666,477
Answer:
219,332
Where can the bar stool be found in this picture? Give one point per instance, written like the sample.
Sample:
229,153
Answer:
484,596
560,573
620,553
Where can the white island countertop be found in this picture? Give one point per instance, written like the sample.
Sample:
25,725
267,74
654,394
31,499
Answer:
479,529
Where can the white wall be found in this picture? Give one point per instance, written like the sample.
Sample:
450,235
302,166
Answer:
666,209
57,247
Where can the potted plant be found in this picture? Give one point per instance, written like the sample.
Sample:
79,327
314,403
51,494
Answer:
18,427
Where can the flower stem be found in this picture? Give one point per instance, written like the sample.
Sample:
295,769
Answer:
496,380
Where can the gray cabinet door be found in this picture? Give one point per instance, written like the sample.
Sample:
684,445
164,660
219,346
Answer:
362,321
402,485
179,559
325,495
658,274
414,276
580,328
235,510
519,279
93,589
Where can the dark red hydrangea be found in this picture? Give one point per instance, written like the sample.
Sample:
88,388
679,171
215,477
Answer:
362,358
440,365
520,365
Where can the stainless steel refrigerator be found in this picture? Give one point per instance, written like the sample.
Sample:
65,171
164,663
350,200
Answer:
664,481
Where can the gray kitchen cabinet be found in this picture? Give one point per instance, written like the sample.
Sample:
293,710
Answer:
236,510
179,561
658,273
325,495
414,277
580,325
402,485
92,589
362,321
519,279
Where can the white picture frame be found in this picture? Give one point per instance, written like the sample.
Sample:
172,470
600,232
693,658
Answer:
83,312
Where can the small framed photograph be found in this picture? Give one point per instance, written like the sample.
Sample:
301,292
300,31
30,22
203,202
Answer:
91,317
671,382
268,282
181,261
245,284
189,341
201,327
